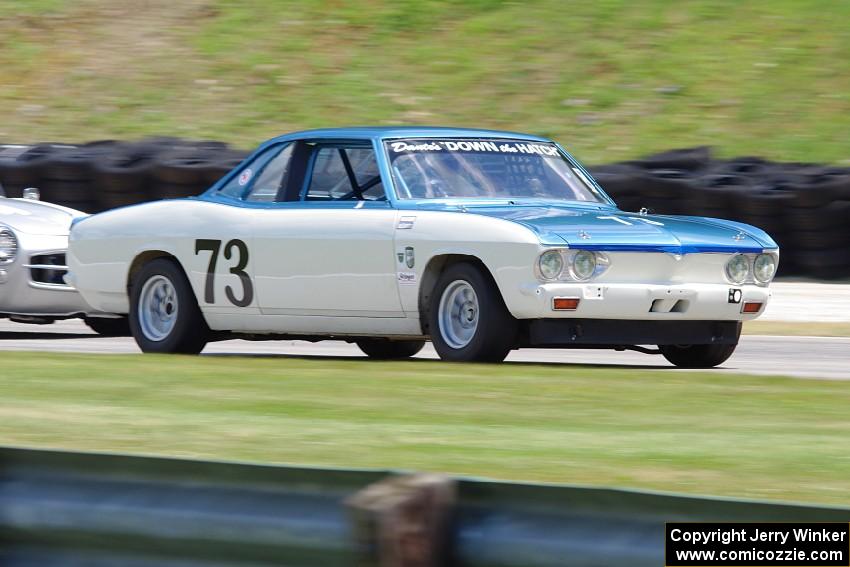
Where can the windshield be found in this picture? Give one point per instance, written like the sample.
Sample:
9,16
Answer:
427,168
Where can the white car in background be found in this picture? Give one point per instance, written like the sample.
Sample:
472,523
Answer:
33,245
480,241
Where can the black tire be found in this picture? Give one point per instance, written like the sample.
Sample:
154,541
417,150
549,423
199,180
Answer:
71,165
817,240
496,332
181,169
222,164
189,333
747,166
109,327
697,356
622,182
691,159
831,217
384,349
174,191
75,194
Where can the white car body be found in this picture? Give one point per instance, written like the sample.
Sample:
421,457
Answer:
367,268
31,286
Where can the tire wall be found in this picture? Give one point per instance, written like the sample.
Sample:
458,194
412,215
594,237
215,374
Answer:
805,207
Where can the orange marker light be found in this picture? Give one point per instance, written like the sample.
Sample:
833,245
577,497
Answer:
565,303
752,307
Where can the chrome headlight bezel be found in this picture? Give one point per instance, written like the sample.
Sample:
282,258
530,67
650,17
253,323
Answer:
550,265
773,265
737,262
588,260
9,249
750,259
568,271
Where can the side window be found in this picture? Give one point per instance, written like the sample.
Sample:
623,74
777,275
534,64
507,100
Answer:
345,174
329,176
270,177
256,167
366,172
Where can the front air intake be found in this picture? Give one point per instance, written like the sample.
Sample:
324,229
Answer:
48,269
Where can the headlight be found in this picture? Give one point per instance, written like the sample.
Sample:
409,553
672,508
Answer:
764,267
8,246
584,265
738,268
551,264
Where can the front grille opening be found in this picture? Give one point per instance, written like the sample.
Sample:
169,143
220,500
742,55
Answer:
41,269
681,306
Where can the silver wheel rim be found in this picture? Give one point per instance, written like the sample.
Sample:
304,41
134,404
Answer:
157,308
458,314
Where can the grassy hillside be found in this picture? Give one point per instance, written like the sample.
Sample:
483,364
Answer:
610,79
706,432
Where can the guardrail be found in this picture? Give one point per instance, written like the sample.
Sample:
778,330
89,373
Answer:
63,509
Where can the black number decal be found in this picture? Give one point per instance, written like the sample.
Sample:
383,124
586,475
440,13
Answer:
214,246
239,270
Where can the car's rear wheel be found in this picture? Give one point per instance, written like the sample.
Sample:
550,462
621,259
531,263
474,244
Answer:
383,349
109,327
164,314
468,320
697,356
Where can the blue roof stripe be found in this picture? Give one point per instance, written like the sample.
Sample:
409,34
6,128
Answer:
390,132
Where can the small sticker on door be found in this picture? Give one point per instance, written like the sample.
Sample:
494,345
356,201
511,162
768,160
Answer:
406,278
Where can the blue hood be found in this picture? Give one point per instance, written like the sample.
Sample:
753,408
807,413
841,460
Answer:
606,228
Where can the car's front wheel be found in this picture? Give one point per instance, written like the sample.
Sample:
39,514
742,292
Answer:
164,314
697,356
383,349
468,321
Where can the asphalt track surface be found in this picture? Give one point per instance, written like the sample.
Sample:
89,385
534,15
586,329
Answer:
803,357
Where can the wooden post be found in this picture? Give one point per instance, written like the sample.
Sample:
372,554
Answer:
404,521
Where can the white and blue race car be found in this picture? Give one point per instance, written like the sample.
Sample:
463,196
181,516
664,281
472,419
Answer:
480,241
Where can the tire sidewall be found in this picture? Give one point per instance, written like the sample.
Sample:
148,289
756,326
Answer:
495,334
189,329
698,356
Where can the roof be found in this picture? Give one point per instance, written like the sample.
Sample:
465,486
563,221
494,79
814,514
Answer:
389,132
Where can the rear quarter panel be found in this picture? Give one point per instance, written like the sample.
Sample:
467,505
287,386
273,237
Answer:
102,247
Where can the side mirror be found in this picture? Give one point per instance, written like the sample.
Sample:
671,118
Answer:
32,194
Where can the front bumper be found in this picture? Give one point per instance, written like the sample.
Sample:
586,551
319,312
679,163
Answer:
647,302
21,296
589,333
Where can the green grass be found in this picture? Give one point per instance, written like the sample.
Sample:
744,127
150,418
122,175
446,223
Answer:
797,329
705,433
611,79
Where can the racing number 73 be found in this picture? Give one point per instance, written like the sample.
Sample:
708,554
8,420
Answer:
214,246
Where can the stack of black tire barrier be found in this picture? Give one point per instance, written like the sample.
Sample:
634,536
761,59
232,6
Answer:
804,206
106,174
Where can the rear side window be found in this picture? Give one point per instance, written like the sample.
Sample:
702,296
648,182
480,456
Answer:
345,174
270,178
254,171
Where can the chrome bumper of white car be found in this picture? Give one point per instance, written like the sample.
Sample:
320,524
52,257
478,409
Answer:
32,286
